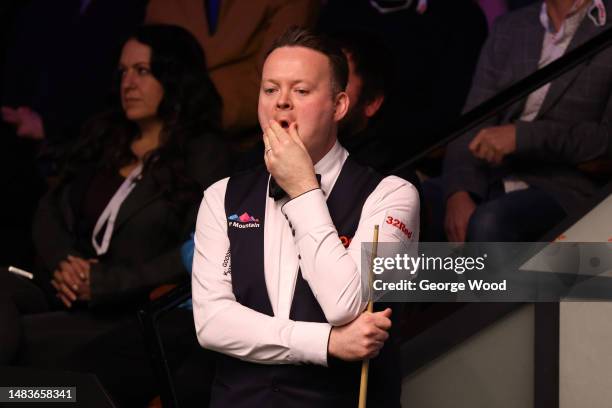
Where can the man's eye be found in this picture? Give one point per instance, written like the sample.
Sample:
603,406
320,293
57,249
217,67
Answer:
302,91
143,71
269,91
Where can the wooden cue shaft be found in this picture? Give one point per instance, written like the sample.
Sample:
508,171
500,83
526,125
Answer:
365,365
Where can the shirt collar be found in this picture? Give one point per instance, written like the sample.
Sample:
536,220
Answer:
329,167
596,12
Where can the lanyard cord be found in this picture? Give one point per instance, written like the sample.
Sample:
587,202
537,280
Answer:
108,216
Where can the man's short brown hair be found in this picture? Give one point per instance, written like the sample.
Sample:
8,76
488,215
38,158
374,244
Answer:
303,37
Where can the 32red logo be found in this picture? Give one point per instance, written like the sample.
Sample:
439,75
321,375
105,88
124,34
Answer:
399,225
346,241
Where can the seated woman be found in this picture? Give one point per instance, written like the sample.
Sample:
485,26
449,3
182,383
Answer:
112,229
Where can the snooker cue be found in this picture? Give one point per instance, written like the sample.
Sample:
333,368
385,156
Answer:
365,365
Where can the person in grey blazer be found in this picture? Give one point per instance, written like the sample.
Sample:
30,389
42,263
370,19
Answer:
519,173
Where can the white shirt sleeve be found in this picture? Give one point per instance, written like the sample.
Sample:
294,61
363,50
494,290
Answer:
222,324
333,272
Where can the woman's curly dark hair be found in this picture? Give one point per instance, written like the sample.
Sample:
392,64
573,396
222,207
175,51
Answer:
190,108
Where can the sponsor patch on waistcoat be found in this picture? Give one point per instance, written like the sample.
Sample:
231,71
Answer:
243,221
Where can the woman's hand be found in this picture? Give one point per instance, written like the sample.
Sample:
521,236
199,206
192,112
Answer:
72,279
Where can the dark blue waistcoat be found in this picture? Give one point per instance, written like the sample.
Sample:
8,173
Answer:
242,384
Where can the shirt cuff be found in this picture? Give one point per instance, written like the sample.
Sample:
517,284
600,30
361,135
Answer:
308,343
307,212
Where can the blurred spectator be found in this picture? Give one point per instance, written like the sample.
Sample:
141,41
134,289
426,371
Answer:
235,36
517,175
435,47
113,227
371,78
57,65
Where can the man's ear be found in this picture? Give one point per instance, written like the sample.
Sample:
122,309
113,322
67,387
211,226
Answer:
341,106
373,106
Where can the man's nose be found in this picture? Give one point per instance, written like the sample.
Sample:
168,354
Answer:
284,101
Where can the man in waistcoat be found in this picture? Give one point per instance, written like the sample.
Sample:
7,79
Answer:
277,283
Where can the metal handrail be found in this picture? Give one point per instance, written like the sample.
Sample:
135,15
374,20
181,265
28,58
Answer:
516,92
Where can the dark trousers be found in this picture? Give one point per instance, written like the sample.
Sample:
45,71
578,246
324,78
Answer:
40,336
10,332
122,363
108,345
523,215
18,296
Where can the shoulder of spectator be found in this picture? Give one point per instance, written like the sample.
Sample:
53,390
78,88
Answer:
504,31
517,18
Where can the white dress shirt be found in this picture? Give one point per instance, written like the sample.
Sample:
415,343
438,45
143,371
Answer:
332,271
553,47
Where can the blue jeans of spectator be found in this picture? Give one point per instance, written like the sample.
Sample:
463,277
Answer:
523,215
